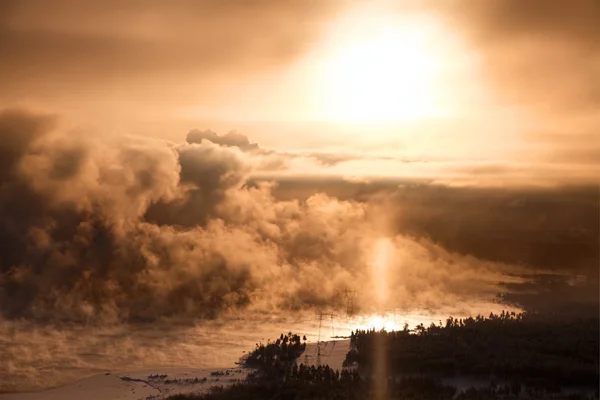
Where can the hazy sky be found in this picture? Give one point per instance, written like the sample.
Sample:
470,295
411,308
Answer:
485,93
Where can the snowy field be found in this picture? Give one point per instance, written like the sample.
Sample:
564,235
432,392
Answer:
156,384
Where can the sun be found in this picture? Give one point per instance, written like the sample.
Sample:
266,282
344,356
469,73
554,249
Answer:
378,322
386,70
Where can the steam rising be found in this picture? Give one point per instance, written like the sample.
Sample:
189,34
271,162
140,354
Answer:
138,229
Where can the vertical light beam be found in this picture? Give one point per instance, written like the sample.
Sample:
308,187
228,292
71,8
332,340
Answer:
383,253
383,256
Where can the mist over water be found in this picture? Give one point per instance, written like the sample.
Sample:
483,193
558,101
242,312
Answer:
37,356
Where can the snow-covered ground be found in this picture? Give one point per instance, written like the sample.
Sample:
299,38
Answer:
155,384
139,385
333,353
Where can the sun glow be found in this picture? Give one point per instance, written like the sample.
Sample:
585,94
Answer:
379,322
384,71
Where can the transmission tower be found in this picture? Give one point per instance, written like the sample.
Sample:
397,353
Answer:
320,316
349,294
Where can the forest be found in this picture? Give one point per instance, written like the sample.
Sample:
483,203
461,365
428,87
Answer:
525,347
518,355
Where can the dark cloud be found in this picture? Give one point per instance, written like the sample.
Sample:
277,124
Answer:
207,172
551,231
544,228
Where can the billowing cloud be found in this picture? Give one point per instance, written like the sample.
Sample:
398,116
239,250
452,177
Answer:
230,139
139,229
